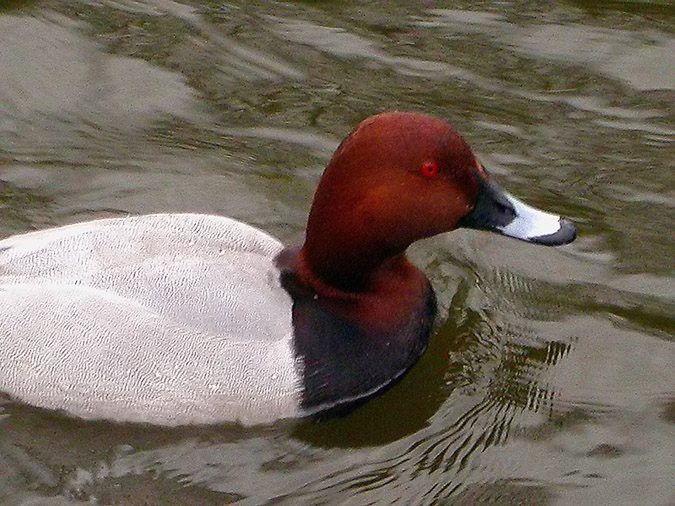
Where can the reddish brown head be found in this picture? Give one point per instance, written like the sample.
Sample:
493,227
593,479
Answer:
398,177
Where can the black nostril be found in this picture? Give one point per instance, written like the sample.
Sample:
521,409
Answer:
503,208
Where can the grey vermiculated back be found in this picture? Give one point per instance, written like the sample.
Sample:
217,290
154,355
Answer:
169,319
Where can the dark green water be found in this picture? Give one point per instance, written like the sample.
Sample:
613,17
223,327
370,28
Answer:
551,378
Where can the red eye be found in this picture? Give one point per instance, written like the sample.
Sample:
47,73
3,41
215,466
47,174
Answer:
429,169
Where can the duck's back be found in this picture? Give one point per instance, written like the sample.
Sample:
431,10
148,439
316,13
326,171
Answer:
169,319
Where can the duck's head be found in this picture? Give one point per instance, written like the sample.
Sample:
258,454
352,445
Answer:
400,177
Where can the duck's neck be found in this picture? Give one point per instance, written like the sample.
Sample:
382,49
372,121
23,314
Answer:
350,277
394,291
351,252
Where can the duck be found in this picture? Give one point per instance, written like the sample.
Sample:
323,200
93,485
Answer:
193,319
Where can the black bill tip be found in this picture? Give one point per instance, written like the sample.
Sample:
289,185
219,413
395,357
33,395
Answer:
565,234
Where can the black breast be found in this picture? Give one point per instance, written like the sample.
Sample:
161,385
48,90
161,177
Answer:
344,364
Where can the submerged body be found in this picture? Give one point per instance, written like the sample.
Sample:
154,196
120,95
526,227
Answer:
176,319
103,320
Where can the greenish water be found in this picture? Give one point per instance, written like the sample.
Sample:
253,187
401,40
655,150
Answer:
551,377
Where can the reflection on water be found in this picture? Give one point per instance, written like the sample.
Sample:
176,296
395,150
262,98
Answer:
549,378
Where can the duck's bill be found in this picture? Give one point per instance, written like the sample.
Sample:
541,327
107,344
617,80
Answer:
497,211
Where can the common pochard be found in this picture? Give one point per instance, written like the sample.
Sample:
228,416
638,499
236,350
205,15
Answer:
178,319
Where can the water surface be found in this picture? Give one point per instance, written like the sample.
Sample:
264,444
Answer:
550,378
